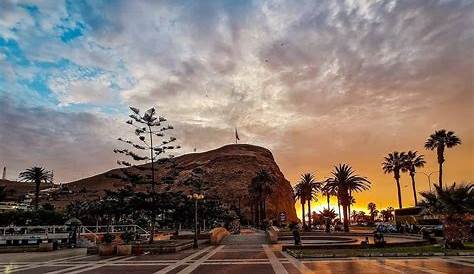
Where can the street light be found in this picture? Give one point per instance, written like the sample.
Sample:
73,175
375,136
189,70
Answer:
428,176
195,197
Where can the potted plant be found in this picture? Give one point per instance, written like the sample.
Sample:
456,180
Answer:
106,248
125,249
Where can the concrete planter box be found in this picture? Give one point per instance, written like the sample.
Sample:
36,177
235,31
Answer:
45,247
124,250
106,250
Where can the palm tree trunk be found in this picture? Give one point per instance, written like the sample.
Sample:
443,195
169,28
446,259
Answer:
440,175
349,206
252,217
412,175
339,208
258,213
302,216
328,201
349,212
346,221
309,214
399,190
37,191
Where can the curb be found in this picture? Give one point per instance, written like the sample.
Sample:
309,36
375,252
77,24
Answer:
368,255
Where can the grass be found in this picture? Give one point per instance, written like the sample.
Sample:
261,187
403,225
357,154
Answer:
426,249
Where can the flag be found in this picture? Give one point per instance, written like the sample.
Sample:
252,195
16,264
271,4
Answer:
236,136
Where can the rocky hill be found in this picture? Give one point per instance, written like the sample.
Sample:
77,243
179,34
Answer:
15,191
227,170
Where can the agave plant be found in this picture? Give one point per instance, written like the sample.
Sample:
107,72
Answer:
453,204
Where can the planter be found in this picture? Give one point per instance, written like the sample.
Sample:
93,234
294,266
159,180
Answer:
106,250
45,247
124,250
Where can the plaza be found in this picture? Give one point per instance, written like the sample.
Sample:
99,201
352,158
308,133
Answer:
245,253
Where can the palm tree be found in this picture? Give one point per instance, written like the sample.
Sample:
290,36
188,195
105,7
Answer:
36,175
343,179
301,195
393,163
373,211
352,201
439,141
412,162
454,203
311,188
328,191
262,184
387,214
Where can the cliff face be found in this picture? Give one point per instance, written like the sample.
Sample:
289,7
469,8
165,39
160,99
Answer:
228,172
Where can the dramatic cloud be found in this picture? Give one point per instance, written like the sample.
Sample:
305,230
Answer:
318,82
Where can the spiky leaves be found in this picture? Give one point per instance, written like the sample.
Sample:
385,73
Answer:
36,175
393,163
343,180
412,162
452,204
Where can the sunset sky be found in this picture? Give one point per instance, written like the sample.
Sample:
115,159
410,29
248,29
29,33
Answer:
317,82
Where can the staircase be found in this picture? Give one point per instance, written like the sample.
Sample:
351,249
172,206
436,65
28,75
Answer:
255,238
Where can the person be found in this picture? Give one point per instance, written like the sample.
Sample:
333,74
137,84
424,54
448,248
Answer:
379,239
328,225
296,234
365,243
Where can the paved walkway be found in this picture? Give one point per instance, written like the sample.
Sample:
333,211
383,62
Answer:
246,253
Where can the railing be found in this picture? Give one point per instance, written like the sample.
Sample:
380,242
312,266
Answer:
28,230
103,229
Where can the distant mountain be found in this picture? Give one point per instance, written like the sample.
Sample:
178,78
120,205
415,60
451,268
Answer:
228,171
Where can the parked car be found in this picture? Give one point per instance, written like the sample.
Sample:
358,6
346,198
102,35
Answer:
385,228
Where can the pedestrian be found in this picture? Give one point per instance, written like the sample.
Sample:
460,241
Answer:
296,234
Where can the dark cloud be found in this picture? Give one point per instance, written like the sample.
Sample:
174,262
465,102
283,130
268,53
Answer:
72,144
318,82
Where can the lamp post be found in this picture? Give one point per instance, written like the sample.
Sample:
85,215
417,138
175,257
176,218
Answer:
428,176
195,197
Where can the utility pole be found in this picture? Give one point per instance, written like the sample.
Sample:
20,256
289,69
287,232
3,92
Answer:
4,176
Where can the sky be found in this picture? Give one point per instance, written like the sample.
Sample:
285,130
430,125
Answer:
316,82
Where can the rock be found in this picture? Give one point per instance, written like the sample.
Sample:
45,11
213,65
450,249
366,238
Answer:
228,172
218,234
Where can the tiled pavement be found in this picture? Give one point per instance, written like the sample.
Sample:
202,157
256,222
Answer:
228,259
245,253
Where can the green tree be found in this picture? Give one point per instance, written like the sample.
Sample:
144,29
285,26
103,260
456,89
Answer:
148,127
36,175
262,184
310,188
453,203
299,193
328,191
440,140
344,178
373,211
412,162
393,163
3,193
387,214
